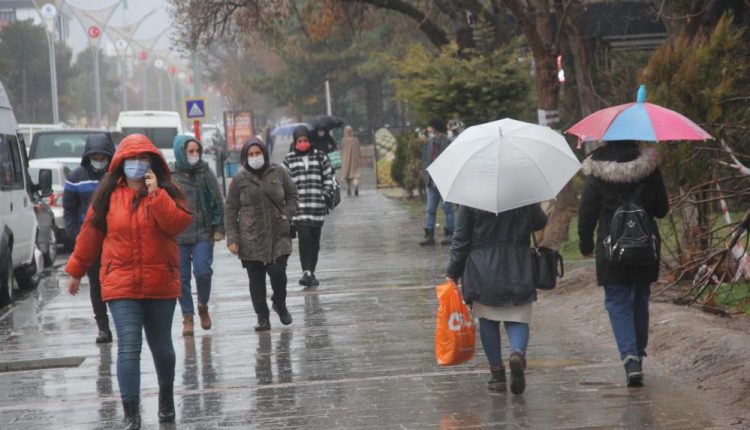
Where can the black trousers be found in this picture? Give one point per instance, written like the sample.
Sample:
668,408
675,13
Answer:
95,291
309,246
256,272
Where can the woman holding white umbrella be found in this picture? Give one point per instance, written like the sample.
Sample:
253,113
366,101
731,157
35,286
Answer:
499,172
490,253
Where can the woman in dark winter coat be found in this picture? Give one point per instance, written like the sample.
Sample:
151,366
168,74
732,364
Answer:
260,205
196,243
79,188
312,173
490,254
616,173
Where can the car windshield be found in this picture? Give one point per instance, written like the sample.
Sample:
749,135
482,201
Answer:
60,145
163,137
34,173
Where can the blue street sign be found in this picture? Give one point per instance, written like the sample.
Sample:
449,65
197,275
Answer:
195,108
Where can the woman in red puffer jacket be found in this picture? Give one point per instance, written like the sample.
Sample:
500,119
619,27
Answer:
136,213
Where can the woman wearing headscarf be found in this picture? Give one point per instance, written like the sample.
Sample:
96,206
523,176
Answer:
261,202
311,171
201,189
135,215
350,154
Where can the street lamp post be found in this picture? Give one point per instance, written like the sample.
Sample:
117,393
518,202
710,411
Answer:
49,13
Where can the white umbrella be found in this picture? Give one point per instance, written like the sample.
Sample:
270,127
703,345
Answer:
503,165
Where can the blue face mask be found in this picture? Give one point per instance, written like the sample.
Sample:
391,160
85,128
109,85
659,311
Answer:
136,169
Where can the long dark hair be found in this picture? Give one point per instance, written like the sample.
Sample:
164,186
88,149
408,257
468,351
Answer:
109,182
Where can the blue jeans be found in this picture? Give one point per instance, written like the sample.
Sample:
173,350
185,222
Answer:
489,331
201,255
433,199
627,305
132,318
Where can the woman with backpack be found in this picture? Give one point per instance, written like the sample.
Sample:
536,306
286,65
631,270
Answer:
260,205
312,173
136,213
623,193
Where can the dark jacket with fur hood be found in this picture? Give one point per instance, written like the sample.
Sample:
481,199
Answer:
613,172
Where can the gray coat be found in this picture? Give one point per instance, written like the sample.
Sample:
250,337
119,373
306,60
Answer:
200,228
253,222
490,253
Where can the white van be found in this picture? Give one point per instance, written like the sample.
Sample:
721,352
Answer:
21,260
159,126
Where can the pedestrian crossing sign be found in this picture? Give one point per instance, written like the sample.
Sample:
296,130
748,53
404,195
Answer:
195,108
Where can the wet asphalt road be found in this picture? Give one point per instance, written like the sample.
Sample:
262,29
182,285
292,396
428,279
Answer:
359,354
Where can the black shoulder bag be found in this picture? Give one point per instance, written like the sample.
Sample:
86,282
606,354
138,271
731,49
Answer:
547,264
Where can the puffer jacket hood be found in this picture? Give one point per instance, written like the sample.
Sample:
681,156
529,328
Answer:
179,144
615,171
246,147
135,144
99,143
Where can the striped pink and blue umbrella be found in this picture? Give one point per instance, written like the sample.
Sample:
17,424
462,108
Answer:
637,121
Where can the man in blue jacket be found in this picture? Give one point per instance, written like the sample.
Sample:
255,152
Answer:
79,188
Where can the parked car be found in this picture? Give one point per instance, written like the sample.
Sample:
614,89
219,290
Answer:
65,146
28,130
21,260
159,126
54,202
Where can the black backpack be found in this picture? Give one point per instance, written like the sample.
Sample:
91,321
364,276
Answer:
632,240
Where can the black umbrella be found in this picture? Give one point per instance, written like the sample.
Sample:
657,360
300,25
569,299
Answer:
326,122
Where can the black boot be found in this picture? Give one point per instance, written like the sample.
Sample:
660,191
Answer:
283,312
517,372
429,237
633,371
448,238
356,191
497,381
132,409
313,280
166,405
105,335
264,324
306,279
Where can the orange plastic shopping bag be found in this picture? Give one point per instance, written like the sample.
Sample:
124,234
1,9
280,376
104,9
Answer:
454,331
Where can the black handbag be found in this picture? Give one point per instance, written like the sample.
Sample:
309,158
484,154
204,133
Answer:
547,265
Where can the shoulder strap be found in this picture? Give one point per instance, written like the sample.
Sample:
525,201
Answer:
268,196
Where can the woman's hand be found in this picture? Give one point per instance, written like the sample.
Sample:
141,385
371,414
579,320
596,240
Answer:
74,285
233,248
449,279
218,236
152,184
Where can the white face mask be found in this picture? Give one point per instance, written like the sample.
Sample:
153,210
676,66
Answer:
193,159
99,165
321,133
430,135
256,162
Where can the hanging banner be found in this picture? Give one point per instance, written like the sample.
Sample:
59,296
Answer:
238,126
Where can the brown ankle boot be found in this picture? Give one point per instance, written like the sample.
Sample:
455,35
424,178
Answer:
187,325
205,318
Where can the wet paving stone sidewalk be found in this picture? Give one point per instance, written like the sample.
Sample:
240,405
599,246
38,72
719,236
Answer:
359,354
